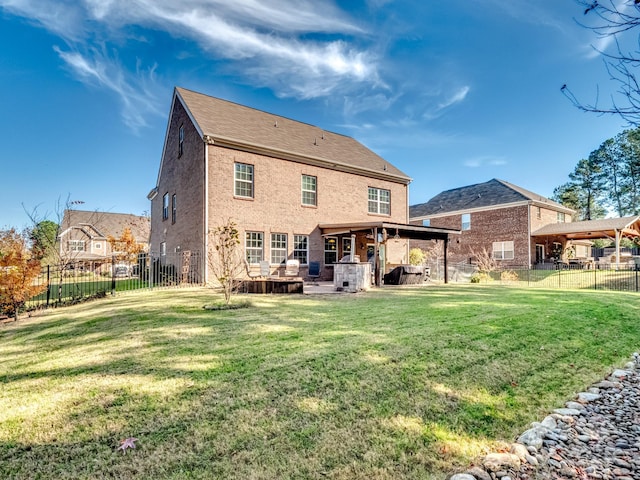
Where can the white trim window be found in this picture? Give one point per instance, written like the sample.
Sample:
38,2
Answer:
243,180
379,201
301,248
278,248
330,250
503,250
466,221
560,217
174,208
426,222
165,206
346,246
254,246
181,141
309,190
76,245
163,249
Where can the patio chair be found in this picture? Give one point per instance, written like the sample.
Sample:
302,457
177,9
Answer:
292,268
265,268
314,272
251,274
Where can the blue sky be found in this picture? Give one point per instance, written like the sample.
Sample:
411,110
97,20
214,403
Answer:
452,93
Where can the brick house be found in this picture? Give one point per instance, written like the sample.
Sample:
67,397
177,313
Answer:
499,217
84,235
279,180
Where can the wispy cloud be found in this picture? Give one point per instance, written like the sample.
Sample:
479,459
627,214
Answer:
484,161
457,97
267,41
136,90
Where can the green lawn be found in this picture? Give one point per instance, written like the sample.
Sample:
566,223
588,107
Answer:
395,383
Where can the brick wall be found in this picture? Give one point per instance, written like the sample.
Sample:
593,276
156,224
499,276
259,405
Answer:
496,225
183,176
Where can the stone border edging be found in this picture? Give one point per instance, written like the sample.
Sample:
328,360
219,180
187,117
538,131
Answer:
560,446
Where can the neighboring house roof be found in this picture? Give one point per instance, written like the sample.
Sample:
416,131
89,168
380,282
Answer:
589,229
480,196
228,124
100,225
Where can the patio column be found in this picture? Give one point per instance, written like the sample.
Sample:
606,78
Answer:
446,263
617,249
376,260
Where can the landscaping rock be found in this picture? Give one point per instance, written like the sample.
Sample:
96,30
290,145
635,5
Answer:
462,476
598,438
495,462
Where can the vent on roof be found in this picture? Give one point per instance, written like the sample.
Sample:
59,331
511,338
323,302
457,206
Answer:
276,124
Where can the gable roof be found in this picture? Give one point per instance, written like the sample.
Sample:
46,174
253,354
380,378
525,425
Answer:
481,195
228,124
100,225
591,229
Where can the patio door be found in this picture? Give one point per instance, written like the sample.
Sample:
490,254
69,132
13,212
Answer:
539,253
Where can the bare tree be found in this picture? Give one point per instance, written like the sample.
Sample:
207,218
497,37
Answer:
225,257
614,18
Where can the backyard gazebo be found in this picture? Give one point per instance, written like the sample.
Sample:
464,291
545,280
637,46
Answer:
610,228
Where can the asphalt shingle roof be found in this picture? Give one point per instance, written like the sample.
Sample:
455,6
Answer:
227,121
104,224
492,193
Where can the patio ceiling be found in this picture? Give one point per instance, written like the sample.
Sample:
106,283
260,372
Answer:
403,230
592,229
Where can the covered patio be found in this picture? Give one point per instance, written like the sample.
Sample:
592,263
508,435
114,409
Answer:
368,240
614,229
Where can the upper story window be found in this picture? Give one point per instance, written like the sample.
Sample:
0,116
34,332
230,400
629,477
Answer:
309,190
174,206
330,250
538,213
560,217
76,245
379,201
243,180
254,245
165,206
426,222
301,248
466,221
503,250
278,248
181,141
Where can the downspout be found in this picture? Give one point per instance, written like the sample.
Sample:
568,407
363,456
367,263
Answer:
205,220
529,233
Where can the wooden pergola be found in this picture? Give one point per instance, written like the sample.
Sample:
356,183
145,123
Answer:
610,228
380,231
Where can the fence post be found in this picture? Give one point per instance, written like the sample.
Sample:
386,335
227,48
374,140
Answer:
48,284
113,275
636,269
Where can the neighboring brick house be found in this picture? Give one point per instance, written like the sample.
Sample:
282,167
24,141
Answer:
84,235
499,217
278,179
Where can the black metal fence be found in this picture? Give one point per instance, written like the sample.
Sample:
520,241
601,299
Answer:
76,281
624,277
